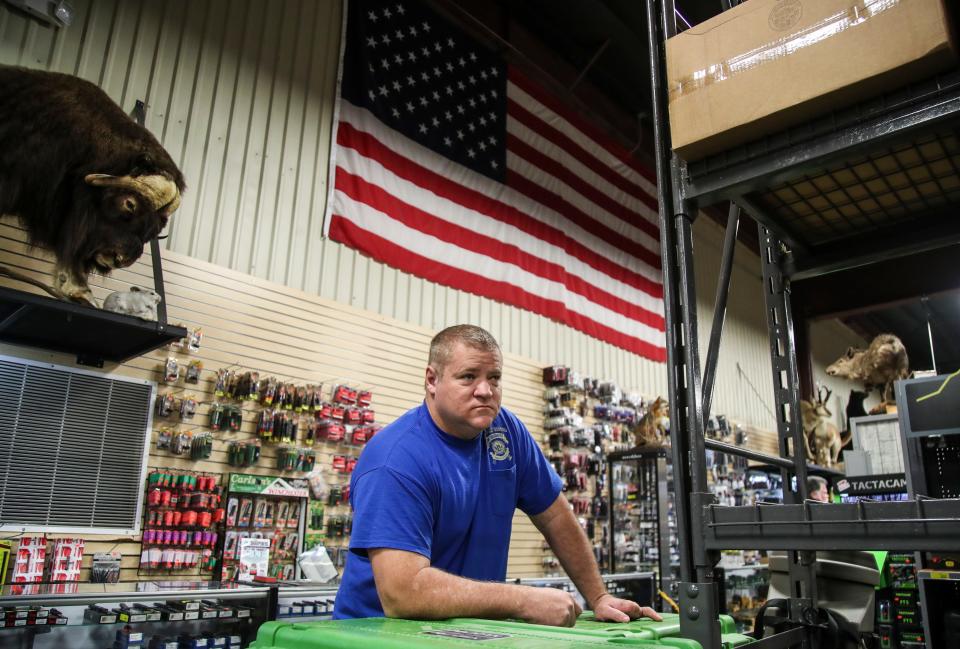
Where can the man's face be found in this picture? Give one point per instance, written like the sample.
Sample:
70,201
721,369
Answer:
464,396
821,494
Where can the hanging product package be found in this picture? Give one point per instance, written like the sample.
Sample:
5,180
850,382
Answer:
318,486
316,565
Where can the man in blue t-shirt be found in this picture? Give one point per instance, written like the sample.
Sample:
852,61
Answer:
433,498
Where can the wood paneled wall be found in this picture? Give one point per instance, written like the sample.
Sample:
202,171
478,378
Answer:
253,324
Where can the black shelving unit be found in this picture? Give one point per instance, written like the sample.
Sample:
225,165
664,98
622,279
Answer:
641,518
93,335
867,184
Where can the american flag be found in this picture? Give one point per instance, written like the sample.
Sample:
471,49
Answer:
453,166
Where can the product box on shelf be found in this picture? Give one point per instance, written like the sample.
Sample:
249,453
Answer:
188,610
766,65
209,612
127,638
98,615
129,615
158,642
15,616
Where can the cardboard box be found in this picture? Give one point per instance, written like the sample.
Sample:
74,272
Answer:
770,64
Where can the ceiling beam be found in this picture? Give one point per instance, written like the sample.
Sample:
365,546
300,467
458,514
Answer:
866,288
933,231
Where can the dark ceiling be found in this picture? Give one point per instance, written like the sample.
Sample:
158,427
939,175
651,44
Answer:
608,36
595,53
590,49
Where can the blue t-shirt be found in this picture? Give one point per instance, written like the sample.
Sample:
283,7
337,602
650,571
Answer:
419,489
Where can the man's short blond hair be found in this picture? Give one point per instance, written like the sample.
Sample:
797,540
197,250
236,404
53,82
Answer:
441,347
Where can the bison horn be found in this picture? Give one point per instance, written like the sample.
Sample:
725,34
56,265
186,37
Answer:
160,192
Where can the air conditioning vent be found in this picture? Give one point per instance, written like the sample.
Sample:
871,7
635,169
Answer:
73,448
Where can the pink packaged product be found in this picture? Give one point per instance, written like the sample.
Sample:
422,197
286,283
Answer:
30,561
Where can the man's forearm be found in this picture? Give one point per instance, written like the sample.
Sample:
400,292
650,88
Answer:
436,595
569,542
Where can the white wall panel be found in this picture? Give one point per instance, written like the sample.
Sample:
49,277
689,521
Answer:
241,94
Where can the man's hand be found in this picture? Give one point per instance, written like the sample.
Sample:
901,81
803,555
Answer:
608,608
549,606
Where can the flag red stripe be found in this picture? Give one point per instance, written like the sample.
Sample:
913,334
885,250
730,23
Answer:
350,234
365,192
563,141
368,146
518,147
582,125
574,214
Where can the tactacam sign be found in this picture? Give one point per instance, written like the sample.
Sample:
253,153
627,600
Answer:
889,482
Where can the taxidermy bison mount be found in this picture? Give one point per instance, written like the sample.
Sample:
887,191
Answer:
85,180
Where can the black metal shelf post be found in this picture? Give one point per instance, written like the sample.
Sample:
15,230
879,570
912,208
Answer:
699,600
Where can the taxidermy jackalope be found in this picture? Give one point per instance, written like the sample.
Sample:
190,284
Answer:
819,430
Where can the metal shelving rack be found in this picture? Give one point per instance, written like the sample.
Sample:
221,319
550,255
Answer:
640,520
873,182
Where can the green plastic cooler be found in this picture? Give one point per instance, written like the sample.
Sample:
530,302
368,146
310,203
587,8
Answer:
412,634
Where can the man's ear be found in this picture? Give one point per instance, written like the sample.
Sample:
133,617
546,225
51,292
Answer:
430,380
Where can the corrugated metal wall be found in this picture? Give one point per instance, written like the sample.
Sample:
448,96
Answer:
241,94
744,387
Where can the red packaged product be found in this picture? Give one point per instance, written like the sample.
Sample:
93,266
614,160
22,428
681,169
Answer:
333,431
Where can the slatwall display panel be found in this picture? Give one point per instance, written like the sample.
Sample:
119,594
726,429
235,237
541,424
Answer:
73,456
253,324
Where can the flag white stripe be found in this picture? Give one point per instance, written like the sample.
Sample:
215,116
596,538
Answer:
557,187
452,212
558,122
580,170
375,221
365,121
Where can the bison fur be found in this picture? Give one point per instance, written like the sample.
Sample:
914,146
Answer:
85,180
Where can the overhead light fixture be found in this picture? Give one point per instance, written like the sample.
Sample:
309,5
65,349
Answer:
52,12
